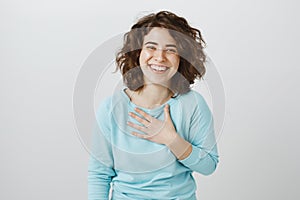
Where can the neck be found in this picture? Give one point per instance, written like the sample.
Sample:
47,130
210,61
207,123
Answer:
152,95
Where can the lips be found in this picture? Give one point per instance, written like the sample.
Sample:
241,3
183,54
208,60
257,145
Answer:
158,68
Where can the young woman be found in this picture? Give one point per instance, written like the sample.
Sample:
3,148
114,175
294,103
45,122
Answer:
156,131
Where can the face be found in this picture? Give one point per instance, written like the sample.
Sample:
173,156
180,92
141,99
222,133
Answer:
159,59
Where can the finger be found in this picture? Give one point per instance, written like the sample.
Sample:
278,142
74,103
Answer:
167,112
139,119
144,114
143,136
141,128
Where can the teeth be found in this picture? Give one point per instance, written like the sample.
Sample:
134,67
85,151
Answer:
159,68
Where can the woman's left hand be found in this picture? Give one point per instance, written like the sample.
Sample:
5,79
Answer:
161,132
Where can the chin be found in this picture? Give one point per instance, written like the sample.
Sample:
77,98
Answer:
158,82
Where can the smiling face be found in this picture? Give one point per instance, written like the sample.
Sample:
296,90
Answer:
159,59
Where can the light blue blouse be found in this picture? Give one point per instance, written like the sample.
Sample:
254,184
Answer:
138,169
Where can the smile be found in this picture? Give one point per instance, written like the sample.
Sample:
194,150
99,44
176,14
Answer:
158,69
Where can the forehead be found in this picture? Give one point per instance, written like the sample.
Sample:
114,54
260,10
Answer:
160,36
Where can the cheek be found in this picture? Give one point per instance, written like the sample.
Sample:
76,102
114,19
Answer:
144,56
175,62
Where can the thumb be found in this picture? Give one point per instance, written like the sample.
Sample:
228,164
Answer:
167,112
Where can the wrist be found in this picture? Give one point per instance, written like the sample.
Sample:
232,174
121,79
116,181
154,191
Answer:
172,138
180,147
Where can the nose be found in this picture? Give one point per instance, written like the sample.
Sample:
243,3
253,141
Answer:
159,55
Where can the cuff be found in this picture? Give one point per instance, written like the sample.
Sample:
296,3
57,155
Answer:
193,158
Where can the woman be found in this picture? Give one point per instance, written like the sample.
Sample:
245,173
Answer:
156,131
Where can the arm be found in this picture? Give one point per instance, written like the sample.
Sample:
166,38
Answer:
100,169
201,153
99,179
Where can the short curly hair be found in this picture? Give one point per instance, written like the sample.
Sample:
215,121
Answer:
190,46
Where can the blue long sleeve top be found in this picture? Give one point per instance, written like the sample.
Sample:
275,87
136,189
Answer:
138,169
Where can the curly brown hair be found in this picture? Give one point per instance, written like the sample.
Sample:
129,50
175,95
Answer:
190,46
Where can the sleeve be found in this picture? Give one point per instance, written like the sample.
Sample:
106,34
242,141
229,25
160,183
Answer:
100,168
204,156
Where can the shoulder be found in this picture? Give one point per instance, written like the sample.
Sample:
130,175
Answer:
105,104
195,103
109,103
193,97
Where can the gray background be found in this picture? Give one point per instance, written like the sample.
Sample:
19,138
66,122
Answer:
254,45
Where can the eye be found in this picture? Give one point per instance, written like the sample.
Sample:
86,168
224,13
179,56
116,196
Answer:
171,50
150,47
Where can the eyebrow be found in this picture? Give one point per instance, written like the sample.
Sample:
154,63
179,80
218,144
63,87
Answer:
154,43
